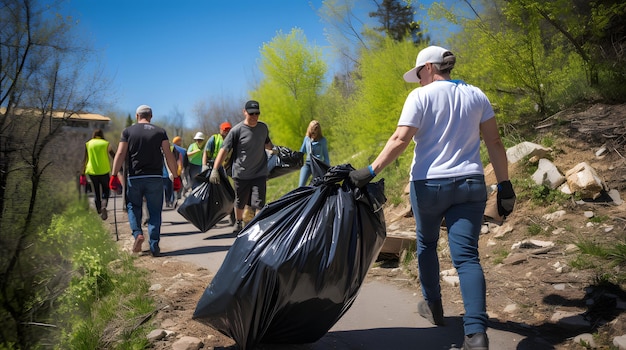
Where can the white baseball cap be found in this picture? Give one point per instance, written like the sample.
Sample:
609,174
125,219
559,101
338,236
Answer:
143,109
199,136
431,54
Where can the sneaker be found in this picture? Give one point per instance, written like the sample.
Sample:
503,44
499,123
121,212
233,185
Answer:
238,227
103,213
432,311
156,252
138,243
476,341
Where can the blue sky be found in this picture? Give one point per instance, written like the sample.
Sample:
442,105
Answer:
173,54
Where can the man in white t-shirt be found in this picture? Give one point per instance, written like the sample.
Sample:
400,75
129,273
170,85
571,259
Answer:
446,118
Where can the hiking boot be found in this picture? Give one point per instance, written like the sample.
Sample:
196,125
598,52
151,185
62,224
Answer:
238,227
432,311
103,213
138,243
476,341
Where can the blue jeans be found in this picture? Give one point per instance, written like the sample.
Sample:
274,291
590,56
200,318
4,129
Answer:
168,187
305,173
461,202
150,188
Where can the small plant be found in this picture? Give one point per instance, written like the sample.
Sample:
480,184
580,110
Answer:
591,248
499,256
599,219
534,229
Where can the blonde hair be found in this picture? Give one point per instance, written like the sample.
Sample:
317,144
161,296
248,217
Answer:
314,125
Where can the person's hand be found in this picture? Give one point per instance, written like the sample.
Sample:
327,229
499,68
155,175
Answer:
83,180
114,183
361,177
506,198
274,150
205,167
171,176
177,184
215,176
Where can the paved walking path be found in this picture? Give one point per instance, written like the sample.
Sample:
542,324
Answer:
383,316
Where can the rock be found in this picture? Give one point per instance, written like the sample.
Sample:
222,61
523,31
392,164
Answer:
553,216
449,272
502,230
588,214
523,149
187,343
620,342
584,180
614,194
548,175
155,335
451,280
511,308
585,339
515,259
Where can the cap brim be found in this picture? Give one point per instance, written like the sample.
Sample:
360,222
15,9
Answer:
253,110
411,76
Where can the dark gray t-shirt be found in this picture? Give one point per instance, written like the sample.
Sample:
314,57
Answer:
145,158
248,145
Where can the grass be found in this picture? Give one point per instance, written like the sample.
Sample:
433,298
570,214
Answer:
107,294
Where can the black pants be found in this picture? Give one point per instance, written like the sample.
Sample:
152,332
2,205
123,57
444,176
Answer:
101,190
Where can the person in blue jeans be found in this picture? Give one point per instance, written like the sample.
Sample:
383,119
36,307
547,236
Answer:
446,119
314,144
141,150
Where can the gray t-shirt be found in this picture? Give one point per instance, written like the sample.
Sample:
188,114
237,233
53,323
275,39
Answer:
248,145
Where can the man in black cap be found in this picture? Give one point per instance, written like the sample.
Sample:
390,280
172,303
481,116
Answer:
248,141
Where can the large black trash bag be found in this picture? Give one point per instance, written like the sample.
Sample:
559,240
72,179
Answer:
297,267
208,203
285,162
318,170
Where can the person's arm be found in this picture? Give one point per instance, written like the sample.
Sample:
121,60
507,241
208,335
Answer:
325,151
82,172
208,149
111,151
303,147
497,155
396,144
495,148
120,156
215,176
193,149
169,157
179,164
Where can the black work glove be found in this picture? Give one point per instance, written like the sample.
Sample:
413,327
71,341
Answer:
361,177
506,198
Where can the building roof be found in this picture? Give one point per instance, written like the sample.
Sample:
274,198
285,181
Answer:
64,115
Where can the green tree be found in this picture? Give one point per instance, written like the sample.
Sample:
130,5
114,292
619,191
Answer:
544,58
293,78
40,88
396,19
376,105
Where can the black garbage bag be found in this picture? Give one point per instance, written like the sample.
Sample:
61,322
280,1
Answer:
285,162
208,203
318,170
297,267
